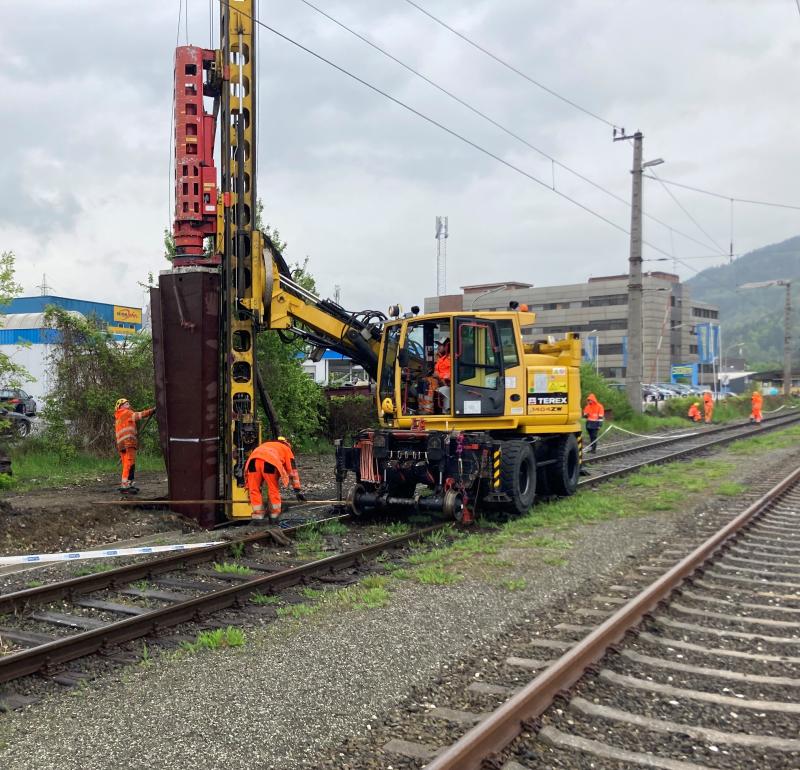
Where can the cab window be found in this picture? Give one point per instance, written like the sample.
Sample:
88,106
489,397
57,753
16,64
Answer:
390,348
508,343
478,355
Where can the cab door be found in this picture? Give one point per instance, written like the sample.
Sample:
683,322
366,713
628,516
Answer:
478,373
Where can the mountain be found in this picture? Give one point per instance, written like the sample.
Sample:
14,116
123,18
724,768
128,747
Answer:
755,316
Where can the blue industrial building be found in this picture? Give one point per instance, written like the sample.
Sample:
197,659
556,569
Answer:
26,339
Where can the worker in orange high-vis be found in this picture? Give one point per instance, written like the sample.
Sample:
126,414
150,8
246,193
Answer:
708,405
757,402
441,370
125,420
273,463
694,412
594,414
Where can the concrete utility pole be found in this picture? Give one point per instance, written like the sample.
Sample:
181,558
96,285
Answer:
787,328
633,375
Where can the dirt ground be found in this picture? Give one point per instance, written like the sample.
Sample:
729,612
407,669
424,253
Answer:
78,517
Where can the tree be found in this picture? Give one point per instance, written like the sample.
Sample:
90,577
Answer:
91,370
11,374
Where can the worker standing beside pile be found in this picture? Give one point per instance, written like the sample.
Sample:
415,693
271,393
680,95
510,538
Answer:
594,414
273,463
127,438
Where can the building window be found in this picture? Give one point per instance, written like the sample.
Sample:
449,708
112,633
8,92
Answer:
702,312
608,325
608,299
610,349
693,349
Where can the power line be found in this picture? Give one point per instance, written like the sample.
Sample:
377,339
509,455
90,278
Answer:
444,128
685,211
494,122
727,197
511,67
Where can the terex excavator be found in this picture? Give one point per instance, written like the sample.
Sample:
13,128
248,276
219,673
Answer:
508,416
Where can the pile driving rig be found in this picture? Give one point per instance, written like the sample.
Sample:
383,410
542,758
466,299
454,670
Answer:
510,414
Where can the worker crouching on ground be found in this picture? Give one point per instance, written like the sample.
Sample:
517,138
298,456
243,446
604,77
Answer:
694,412
272,462
708,405
594,414
757,402
125,420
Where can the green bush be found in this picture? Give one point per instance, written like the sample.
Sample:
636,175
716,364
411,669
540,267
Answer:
611,398
349,414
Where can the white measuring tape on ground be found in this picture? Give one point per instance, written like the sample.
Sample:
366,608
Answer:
38,558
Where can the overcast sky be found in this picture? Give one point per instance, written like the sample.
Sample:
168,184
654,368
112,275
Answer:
355,182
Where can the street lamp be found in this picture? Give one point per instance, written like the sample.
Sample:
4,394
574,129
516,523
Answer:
483,294
787,328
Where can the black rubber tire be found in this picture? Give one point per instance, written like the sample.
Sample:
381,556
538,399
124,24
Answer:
562,476
518,475
22,428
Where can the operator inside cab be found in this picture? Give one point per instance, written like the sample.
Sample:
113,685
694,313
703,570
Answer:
442,370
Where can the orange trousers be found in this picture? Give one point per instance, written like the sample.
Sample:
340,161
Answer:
128,458
259,472
755,415
708,409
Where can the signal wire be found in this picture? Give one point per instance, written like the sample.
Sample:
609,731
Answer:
511,67
448,130
554,161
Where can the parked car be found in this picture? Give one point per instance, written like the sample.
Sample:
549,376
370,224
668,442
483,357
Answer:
14,424
17,400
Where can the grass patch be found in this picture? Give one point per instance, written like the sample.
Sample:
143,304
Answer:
141,585
298,611
264,599
310,542
555,561
333,527
91,568
237,550
229,568
37,467
667,500
514,584
216,639
397,528
434,575
34,583
730,489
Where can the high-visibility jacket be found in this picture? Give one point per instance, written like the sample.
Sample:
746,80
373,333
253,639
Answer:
593,411
757,399
694,413
125,420
281,458
426,388
708,400
442,367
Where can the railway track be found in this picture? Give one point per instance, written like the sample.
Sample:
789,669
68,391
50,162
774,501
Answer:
107,609
698,668
636,444
603,467
44,628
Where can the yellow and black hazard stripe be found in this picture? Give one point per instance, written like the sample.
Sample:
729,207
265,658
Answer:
496,469
580,447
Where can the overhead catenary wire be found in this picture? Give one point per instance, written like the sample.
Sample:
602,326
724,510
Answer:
450,131
725,197
554,161
683,208
514,69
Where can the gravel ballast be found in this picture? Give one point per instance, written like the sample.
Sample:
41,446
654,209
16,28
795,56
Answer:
297,690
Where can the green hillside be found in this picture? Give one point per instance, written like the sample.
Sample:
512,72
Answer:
755,316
